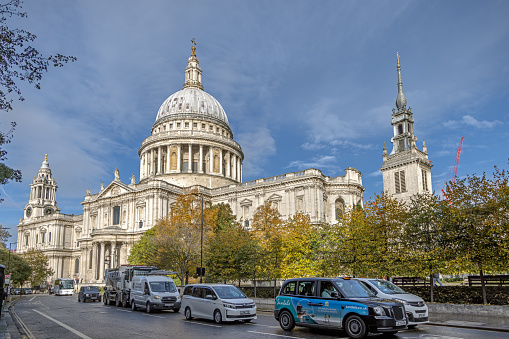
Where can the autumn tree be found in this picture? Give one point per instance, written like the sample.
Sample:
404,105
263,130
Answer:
19,62
300,245
477,223
178,237
230,248
39,263
267,229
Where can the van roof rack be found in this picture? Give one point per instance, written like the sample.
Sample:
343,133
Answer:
161,272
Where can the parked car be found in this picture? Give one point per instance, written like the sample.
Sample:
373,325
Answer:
27,291
337,303
156,292
416,308
89,293
219,302
16,291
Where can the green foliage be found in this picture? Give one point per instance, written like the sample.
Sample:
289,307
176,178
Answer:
497,295
19,268
4,236
6,173
144,252
39,263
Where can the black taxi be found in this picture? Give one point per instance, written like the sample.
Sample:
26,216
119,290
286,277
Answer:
337,303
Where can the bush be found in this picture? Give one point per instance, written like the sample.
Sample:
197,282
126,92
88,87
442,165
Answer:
261,292
496,295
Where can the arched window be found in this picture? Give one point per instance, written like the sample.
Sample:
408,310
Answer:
173,161
216,163
339,207
400,129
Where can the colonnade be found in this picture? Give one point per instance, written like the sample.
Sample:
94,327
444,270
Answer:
41,192
101,259
171,159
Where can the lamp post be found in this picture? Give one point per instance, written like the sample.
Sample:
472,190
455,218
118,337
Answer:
9,261
201,241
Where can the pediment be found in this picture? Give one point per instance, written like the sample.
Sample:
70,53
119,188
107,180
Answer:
246,202
114,189
275,197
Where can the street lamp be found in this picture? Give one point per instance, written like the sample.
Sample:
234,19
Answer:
201,241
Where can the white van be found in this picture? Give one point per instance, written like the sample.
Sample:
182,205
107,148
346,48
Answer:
218,302
154,293
416,309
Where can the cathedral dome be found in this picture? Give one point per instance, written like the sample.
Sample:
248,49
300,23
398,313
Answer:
192,101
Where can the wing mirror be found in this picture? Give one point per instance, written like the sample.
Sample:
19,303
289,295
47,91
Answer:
210,297
334,294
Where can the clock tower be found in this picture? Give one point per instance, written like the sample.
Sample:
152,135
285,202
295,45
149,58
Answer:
43,193
406,170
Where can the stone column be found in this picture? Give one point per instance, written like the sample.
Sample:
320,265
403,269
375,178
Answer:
190,159
167,158
113,262
141,166
200,168
95,261
211,156
101,262
234,169
228,169
221,169
179,160
158,160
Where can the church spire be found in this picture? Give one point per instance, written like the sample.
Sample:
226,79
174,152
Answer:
193,70
400,100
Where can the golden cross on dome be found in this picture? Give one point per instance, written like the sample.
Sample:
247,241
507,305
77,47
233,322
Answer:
193,48
398,58
45,157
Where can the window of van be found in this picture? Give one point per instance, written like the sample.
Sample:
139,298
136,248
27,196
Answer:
188,290
163,286
229,292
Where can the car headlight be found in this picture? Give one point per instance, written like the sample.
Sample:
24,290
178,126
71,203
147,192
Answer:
379,310
87,295
157,297
178,298
400,301
228,305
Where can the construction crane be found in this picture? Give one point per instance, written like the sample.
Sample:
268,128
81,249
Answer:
455,169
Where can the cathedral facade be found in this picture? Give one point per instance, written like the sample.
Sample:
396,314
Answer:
190,146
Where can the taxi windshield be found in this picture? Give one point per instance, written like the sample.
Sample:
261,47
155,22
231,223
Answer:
387,287
353,289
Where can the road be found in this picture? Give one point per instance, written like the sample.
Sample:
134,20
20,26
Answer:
48,316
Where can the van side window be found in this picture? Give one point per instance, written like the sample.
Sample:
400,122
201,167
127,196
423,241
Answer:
307,288
197,292
188,290
208,291
289,288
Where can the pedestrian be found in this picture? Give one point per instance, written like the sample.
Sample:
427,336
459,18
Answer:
436,278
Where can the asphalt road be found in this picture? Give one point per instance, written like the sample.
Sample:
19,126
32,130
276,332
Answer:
48,316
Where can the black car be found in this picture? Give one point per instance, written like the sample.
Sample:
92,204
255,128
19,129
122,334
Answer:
89,293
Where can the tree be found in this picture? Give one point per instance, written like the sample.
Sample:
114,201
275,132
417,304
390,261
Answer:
477,223
267,229
6,173
300,247
19,268
144,252
4,236
230,249
39,263
178,237
19,61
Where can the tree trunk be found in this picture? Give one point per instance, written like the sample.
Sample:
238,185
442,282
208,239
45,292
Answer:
254,282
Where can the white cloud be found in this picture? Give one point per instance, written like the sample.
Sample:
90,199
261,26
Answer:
257,146
320,162
469,120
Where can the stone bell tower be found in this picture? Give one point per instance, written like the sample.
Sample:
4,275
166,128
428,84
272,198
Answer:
406,170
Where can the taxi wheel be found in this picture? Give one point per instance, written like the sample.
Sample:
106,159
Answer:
355,327
188,313
218,318
286,320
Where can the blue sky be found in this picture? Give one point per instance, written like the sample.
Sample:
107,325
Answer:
305,84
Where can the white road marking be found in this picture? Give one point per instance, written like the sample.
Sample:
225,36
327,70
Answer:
32,298
272,334
78,333
150,315
193,322
433,336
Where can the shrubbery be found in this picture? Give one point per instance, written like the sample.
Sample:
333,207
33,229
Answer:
496,295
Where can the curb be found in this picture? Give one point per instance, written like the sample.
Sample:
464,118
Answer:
483,328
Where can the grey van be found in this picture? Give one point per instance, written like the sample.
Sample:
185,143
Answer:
154,293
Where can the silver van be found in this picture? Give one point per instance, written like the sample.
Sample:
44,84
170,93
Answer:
218,302
154,293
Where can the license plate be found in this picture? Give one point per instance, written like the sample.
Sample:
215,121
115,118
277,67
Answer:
400,323
244,312
420,315
168,305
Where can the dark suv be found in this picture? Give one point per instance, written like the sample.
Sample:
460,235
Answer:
89,293
337,303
